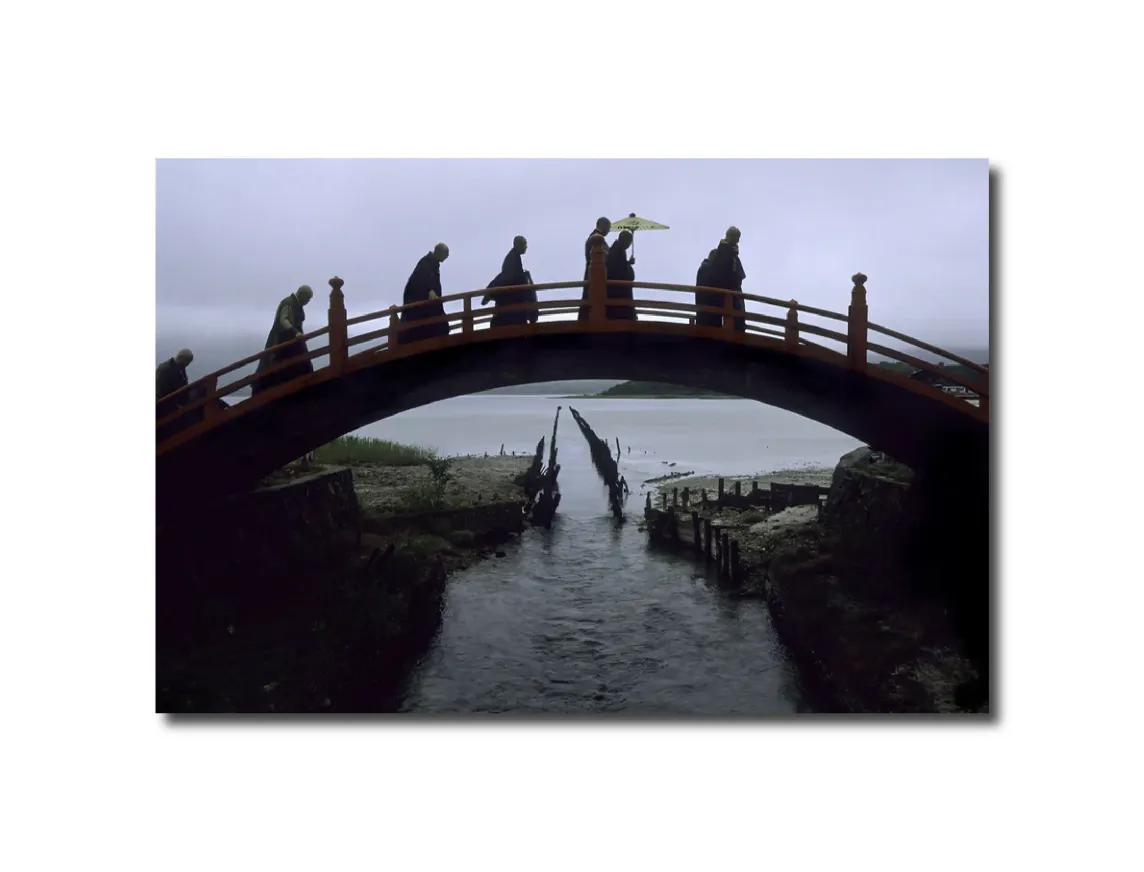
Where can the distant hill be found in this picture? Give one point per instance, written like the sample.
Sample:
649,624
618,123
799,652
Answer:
977,355
659,390
555,388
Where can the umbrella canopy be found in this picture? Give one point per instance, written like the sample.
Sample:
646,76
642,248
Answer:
633,223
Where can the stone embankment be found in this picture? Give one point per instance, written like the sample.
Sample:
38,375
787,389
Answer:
319,590
865,636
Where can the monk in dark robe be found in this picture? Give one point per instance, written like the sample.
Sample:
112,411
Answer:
603,228
512,273
706,298
725,270
170,376
287,326
425,284
620,269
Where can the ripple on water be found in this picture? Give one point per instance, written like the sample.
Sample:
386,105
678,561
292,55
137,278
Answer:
584,618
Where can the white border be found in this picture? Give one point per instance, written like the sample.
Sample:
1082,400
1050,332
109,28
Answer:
95,92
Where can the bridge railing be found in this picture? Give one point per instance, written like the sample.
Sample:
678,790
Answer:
564,307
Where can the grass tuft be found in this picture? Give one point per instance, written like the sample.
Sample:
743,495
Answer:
361,450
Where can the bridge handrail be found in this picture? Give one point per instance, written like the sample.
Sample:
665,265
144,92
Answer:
792,333
458,297
246,361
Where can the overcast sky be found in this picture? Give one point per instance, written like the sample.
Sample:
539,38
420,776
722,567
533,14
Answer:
235,236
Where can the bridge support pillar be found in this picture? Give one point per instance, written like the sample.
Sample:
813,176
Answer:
791,337
337,323
858,317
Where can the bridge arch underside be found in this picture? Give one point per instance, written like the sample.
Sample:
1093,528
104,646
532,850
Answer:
916,429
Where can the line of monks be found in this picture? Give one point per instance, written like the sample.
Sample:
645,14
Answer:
722,268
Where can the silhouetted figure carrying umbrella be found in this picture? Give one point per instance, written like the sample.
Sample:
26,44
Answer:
620,269
288,319
635,224
603,228
425,284
512,273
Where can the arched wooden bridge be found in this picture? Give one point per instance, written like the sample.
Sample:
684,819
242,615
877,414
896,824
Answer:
206,450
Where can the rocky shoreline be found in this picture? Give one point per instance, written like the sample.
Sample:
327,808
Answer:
865,635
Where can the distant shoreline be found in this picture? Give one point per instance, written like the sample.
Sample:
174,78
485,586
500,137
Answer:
643,397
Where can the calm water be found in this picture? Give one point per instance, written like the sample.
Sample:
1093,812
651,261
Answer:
584,618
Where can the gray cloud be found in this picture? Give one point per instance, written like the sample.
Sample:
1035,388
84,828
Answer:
235,236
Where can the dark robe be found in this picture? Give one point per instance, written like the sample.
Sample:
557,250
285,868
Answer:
706,298
426,277
583,316
288,319
725,270
512,273
620,270
169,377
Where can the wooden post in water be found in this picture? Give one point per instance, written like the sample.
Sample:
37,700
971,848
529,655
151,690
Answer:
720,490
672,521
647,506
754,488
675,496
725,554
738,490
665,501
856,325
703,496
336,319
686,496
718,551
707,539
696,539
734,573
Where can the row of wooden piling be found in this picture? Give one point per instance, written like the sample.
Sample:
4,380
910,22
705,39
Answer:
546,498
778,496
605,464
714,544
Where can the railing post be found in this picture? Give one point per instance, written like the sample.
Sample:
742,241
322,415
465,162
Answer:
394,327
467,317
597,282
337,324
856,324
792,326
211,409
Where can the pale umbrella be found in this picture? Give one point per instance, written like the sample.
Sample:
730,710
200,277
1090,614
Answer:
635,223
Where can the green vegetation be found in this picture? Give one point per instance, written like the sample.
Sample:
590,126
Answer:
361,450
429,496
659,390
